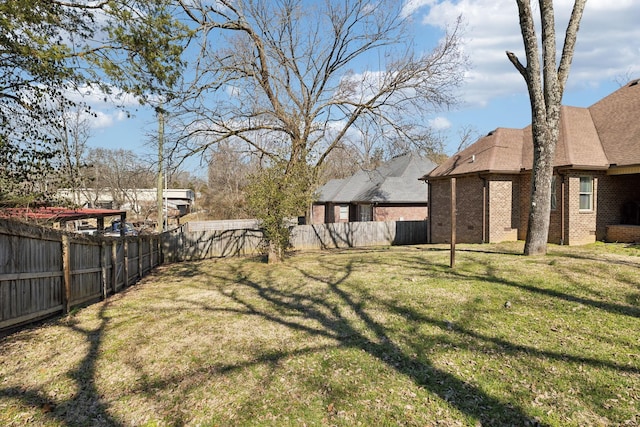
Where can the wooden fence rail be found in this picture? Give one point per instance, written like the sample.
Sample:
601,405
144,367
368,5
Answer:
44,272
185,244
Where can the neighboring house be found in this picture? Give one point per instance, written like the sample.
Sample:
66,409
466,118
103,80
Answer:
64,218
141,201
392,192
596,183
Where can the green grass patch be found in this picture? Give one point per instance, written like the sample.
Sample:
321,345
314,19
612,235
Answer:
383,337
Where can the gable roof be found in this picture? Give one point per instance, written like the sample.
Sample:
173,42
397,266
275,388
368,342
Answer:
618,124
395,181
605,135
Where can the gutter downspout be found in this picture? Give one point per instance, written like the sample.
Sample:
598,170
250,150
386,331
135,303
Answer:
429,212
484,209
562,207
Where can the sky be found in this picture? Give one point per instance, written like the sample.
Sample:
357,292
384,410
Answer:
493,94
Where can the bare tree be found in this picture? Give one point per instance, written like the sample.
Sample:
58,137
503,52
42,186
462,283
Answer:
279,77
71,137
117,173
229,170
546,86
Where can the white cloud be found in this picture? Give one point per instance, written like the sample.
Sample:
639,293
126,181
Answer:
607,45
440,123
106,110
96,97
102,120
411,6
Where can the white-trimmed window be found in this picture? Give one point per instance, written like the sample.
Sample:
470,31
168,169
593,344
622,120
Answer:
586,193
344,212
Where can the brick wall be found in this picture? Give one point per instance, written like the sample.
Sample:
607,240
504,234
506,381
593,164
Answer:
623,233
581,226
439,209
502,213
613,192
508,208
317,214
330,213
399,213
524,200
503,208
469,206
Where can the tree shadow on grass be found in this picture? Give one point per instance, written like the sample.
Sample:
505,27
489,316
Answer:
491,276
341,315
86,407
374,338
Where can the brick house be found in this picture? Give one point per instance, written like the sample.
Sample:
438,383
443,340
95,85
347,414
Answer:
596,182
392,192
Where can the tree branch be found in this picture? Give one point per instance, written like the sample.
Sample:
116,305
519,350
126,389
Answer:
570,42
516,63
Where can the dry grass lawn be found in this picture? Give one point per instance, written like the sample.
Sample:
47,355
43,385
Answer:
385,337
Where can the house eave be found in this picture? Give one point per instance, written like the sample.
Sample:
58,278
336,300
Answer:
474,173
624,170
582,167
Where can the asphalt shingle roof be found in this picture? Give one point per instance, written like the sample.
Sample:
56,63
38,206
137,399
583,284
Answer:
395,181
603,135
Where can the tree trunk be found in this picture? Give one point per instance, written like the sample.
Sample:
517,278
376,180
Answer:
274,254
545,137
546,86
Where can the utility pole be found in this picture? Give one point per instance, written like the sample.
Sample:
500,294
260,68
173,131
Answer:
160,181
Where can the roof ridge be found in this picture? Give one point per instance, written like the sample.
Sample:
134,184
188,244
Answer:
492,153
523,147
598,134
564,132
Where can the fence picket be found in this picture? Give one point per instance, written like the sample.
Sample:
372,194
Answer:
44,272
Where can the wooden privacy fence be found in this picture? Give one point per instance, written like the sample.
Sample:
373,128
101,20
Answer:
184,244
181,244
45,272
359,234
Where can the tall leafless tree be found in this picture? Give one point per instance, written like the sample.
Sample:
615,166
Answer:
229,169
546,86
117,173
293,80
72,137
279,76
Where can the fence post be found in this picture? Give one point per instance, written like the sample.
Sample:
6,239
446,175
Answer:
66,272
125,263
103,268
114,266
125,267
140,272
157,247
